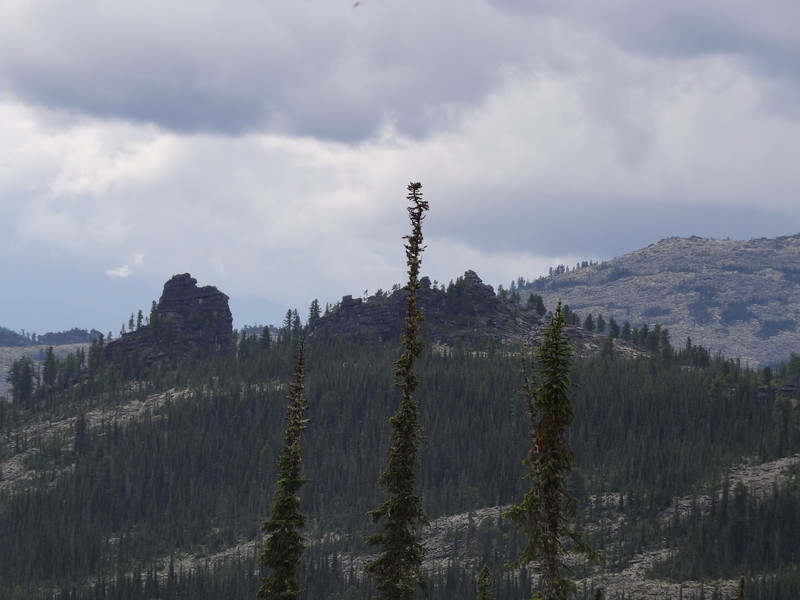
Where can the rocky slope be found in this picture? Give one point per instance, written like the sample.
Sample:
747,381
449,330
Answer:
740,298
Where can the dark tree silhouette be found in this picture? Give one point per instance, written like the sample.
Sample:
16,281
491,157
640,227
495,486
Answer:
396,570
547,511
284,546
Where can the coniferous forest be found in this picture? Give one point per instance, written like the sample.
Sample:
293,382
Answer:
151,481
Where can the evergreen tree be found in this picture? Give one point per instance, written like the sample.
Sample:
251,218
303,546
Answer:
739,589
313,313
96,355
536,303
600,325
397,569
49,368
154,324
297,325
284,545
285,332
80,443
21,378
613,328
626,331
266,338
547,511
485,584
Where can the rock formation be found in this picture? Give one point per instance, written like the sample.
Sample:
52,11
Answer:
188,319
466,312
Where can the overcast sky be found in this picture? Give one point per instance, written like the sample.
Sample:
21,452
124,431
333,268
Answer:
265,147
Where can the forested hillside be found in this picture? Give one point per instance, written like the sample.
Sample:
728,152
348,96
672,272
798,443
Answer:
131,481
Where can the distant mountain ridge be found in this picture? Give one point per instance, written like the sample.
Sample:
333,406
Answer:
75,335
740,298
14,346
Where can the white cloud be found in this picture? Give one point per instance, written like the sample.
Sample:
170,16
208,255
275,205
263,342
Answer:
122,272
204,140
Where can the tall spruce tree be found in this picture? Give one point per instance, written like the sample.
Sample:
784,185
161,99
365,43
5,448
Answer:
284,545
547,512
396,570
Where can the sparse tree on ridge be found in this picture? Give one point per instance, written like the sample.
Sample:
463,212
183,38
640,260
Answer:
313,313
396,570
297,325
613,328
600,324
284,545
547,512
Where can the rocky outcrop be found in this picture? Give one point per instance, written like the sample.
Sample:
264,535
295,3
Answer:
200,316
188,319
467,312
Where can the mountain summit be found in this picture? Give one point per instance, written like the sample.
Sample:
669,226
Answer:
740,298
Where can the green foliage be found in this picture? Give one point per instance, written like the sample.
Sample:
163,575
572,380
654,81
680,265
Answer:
656,311
485,584
116,492
49,367
736,311
314,313
600,326
613,273
613,328
772,327
397,569
570,316
547,512
190,474
700,307
21,378
536,303
739,534
284,545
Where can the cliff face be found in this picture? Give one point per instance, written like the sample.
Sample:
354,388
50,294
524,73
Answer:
187,319
201,315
